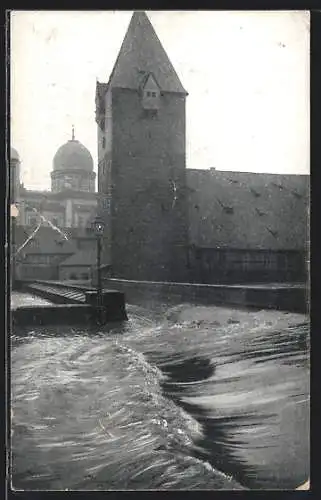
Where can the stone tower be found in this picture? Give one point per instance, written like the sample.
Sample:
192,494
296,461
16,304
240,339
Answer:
140,115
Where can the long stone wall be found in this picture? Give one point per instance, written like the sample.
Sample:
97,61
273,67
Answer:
211,265
152,294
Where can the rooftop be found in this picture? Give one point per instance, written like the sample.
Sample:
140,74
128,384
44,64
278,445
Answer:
247,210
142,53
73,155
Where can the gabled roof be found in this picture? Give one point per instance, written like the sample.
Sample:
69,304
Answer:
248,210
147,78
142,53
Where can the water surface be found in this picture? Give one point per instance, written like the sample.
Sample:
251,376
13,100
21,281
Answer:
188,397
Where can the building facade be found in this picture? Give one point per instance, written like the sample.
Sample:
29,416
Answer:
69,207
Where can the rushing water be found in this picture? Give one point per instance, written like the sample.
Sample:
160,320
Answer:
188,397
25,299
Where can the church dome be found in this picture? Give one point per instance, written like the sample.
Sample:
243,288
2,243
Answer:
14,154
73,156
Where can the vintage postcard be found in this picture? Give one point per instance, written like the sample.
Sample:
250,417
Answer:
159,253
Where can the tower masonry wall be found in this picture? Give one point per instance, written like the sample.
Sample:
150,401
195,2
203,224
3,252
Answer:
148,177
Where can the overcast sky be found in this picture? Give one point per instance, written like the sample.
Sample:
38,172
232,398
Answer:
247,75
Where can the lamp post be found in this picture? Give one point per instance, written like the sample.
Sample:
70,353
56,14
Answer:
98,227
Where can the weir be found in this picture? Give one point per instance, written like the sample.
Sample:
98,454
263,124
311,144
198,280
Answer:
77,304
71,304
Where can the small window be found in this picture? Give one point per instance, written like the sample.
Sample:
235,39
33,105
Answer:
150,99
104,142
106,203
151,94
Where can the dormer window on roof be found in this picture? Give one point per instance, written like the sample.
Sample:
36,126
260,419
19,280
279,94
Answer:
150,94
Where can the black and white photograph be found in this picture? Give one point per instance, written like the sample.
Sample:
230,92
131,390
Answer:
159,207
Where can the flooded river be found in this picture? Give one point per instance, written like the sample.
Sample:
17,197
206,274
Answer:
185,397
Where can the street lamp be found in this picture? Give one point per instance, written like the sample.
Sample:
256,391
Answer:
98,226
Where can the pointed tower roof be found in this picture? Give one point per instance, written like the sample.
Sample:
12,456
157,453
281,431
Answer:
142,53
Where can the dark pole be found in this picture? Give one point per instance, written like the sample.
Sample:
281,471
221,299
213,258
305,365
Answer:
13,250
99,285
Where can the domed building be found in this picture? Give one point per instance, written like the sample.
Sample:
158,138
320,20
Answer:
72,201
73,168
69,206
